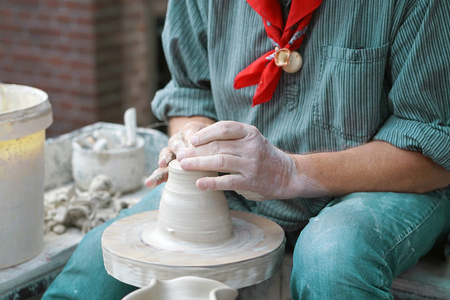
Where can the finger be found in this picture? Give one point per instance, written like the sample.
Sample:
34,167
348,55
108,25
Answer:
233,182
221,183
234,147
192,128
165,157
159,176
224,130
221,163
177,143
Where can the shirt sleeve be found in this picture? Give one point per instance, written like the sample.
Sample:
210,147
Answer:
184,41
419,71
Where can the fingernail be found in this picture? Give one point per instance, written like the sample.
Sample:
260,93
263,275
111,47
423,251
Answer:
194,140
201,185
149,182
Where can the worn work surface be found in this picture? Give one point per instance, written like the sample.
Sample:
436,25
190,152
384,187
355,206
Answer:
429,279
31,277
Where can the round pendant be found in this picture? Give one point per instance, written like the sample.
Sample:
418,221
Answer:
294,64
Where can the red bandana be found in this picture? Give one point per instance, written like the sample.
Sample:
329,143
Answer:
285,37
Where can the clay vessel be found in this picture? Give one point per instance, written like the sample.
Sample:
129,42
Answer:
186,288
125,167
190,214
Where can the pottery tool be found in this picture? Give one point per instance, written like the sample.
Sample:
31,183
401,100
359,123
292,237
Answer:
192,234
130,125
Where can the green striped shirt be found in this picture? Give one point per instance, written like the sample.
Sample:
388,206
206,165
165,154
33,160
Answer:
373,70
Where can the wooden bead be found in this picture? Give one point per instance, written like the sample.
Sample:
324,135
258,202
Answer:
294,64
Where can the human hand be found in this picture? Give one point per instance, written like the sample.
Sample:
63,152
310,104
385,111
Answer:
176,143
258,170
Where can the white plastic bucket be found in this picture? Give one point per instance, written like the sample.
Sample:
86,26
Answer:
25,113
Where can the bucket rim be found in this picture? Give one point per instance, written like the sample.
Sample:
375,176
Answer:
18,123
7,87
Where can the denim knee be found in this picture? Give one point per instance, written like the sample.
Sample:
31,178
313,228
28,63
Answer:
336,257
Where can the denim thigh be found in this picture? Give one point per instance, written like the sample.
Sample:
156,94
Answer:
359,242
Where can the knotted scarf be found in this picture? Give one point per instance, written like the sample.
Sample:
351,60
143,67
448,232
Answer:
263,71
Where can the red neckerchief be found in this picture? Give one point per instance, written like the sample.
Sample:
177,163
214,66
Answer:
263,71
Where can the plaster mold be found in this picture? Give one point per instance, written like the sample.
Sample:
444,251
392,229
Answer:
193,234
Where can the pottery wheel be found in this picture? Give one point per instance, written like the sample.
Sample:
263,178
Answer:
134,252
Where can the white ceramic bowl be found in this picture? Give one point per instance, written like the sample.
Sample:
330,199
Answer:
125,167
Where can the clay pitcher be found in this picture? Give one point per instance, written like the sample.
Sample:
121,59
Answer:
186,288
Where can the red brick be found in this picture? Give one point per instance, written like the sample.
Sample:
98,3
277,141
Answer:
56,61
85,21
45,31
52,3
76,5
82,93
43,17
63,18
25,43
26,57
80,64
81,35
66,105
65,77
64,48
5,13
23,17
27,2
9,27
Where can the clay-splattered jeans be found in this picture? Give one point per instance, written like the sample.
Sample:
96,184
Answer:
357,244
351,250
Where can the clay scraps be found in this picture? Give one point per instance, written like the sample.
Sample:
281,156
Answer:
71,207
101,140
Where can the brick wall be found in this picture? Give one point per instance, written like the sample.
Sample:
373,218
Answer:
95,58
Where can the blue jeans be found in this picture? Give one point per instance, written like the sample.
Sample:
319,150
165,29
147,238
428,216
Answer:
351,250
359,243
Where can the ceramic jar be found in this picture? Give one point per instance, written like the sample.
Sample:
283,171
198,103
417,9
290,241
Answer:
125,167
190,214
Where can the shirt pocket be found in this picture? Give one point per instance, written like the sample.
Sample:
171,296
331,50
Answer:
350,97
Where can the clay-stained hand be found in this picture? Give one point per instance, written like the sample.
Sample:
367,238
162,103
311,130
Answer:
177,142
257,169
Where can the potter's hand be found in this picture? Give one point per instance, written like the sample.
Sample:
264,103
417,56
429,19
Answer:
177,142
258,170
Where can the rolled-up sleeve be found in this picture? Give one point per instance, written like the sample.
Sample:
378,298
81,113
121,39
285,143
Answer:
185,47
419,71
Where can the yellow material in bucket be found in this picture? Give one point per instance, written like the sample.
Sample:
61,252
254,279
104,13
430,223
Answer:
25,113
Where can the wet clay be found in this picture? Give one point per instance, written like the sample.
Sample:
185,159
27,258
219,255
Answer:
192,234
